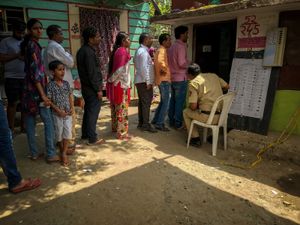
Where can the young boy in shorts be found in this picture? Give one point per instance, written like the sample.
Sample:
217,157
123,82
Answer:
59,92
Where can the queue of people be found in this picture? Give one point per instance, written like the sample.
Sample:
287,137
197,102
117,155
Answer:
46,89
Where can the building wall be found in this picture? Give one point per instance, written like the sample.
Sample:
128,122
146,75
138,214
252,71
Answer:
138,20
133,19
285,102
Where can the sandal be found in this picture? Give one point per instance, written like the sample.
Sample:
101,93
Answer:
126,137
53,159
98,142
36,157
26,185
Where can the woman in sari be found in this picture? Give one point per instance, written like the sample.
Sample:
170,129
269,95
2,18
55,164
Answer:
118,85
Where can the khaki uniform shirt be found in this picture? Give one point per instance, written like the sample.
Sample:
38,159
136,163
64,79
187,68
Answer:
205,89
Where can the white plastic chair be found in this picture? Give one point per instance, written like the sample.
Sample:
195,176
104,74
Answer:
227,101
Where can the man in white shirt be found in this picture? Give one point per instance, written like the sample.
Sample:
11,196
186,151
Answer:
144,80
55,51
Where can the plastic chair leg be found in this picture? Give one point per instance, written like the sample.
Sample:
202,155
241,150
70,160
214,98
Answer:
190,134
215,133
204,135
225,137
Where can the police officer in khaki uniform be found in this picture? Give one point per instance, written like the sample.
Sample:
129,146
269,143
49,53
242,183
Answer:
204,89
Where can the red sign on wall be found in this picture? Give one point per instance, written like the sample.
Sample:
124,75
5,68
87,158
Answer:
250,27
252,42
250,33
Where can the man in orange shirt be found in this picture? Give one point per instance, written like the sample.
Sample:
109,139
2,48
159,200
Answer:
163,80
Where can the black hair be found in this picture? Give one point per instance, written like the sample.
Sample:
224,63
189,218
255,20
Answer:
54,64
180,30
89,32
31,23
121,36
18,25
163,37
193,69
142,38
27,37
52,30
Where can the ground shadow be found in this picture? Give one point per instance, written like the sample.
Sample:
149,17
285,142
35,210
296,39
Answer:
128,203
174,143
154,193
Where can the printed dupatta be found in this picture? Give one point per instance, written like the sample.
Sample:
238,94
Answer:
119,82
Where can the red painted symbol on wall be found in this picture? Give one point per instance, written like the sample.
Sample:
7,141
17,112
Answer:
75,28
250,26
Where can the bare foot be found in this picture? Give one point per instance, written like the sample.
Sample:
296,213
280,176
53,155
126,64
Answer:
64,160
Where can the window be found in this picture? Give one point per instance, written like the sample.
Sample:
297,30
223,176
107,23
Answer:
7,16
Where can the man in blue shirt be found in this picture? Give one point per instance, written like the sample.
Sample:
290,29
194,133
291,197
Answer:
8,161
13,71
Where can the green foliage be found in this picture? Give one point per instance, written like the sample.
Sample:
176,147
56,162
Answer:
165,7
155,29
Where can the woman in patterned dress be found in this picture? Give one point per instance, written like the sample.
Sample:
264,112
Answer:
118,85
34,100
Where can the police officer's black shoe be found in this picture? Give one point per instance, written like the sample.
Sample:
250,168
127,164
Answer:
196,142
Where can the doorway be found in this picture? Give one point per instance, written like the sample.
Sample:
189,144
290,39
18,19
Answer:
108,24
289,78
214,46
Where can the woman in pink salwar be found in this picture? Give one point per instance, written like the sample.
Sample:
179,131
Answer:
118,85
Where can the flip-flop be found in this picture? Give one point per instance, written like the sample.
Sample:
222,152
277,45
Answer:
98,142
53,159
28,185
34,158
126,137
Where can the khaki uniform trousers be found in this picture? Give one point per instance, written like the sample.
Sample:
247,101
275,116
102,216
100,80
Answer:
189,115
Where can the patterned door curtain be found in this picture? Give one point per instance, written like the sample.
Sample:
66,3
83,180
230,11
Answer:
107,22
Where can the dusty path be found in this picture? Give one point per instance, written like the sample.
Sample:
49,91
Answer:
151,180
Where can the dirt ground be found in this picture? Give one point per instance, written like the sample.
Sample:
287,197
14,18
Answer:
152,179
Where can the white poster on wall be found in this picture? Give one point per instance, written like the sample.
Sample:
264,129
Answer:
250,81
